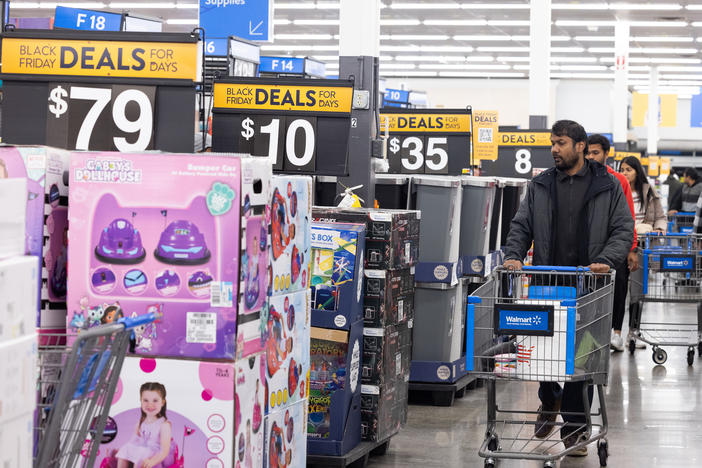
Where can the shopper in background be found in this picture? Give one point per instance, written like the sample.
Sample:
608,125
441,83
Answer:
691,190
674,188
647,202
575,214
597,150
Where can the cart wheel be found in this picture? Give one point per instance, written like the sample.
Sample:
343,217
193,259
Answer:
603,452
632,347
461,393
690,356
493,444
659,356
489,463
381,449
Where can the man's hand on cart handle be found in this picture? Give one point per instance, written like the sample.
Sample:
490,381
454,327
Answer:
598,268
672,212
512,264
633,261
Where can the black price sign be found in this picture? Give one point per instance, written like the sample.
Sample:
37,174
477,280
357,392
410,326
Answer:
524,154
301,126
100,91
427,141
90,117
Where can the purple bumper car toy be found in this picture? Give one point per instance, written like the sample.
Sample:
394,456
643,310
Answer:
182,243
120,243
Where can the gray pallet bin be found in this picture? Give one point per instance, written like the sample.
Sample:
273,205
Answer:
438,322
392,191
439,200
477,204
512,191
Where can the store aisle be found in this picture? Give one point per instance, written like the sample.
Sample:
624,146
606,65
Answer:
655,417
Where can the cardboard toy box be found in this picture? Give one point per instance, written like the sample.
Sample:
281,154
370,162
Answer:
337,274
333,425
13,224
287,349
18,297
255,244
46,214
157,232
285,442
249,410
389,297
16,438
18,379
290,211
392,236
199,411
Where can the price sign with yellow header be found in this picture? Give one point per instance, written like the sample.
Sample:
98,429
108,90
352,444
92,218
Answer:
427,141
300,125
521,153
91,90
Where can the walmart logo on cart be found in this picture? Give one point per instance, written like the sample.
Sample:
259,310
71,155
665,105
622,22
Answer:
524,320
514,320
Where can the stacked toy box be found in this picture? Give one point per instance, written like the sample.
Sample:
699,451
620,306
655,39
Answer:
18,339
334,423
392,239
285,322
46,225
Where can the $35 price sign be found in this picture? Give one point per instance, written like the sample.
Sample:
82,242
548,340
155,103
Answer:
427,141
302,126
100,117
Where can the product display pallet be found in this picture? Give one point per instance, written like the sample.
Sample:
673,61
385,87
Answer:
441,394
356,458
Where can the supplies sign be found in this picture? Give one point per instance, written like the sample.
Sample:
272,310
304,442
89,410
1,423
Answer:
99,58
301,126
485,134
427,141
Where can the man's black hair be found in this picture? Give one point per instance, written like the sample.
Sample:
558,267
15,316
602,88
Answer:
571,129
692,173
597,139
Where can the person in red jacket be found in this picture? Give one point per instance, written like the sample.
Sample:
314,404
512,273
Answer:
598,149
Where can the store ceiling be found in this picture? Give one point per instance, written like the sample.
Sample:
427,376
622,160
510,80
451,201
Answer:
482,39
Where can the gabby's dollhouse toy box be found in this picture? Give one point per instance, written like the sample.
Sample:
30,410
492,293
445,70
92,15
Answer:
191,402
157,233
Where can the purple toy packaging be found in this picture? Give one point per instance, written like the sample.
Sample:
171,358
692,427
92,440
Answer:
191,403
250,405
157,232
255,240
287,345
291,212
47,200
286,437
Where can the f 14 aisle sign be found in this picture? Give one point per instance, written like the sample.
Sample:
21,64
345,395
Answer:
300,125
91,90
431,141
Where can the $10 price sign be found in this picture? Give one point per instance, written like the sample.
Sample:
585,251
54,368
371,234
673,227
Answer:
300,125
427,141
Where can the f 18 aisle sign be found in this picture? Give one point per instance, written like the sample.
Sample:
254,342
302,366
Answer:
91,90
431,141
300,125
521,153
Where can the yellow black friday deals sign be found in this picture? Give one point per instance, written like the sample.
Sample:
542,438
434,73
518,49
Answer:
307,98
426,123
100,58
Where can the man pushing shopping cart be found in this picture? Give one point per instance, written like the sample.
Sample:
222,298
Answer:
575,214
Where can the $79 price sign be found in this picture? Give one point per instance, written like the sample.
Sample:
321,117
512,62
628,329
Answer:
94,117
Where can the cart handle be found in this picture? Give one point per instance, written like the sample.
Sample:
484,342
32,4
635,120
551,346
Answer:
667,234
133,322
555,268
685,213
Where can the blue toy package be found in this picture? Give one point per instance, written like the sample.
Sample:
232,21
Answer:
337,274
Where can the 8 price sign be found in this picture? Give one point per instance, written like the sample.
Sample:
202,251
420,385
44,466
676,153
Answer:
301,126
426,141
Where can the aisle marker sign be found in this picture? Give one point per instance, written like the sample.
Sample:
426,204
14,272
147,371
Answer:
247,19
485,134
285,98
99,58
86,20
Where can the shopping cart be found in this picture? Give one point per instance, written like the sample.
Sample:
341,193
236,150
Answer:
76,384
671,269
541,324
681,222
